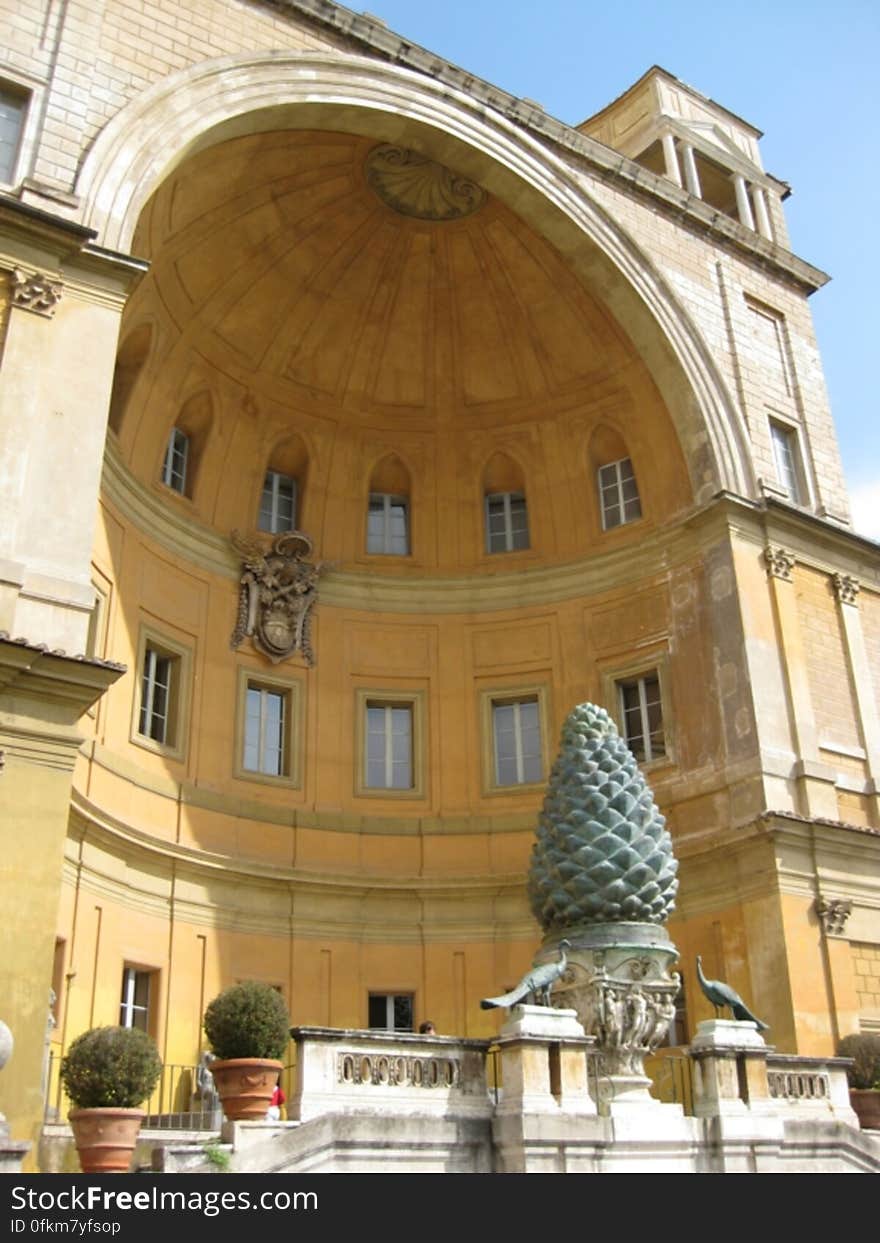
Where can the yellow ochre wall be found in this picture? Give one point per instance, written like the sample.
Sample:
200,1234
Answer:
459,352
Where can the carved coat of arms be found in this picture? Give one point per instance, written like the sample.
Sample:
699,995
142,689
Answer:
278,590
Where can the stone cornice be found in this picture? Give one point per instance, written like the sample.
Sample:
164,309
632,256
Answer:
99,826
75,682
607,163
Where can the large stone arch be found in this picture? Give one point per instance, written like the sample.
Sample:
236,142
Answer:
224,98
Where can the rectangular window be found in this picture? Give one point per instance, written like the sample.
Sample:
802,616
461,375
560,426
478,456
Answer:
174,466
516,729
507,523
278,503
156,692
618,494
160,708
387,524
266,726
641,712
13,108
134,1008
391,1011
785,455
388,759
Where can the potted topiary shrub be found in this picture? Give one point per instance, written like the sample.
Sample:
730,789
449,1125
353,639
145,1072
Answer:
107,1073
864,1077
247,1026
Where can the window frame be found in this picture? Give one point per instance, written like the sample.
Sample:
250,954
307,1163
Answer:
414,700
131,972
508,533
32,91
612,683
181,657
388,499
490,697
292,691
784,434
390,998
276,477
168,473
621,503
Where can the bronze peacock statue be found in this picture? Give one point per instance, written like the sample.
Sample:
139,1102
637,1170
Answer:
535,983
721,994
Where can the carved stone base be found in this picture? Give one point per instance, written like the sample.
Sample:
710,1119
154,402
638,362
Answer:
619,983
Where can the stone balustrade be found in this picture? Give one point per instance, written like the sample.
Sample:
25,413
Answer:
375,1072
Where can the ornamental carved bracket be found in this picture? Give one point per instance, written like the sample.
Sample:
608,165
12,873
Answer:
35,292
780,562
834,912
278,590
846,588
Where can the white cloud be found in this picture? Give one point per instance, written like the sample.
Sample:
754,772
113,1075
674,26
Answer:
865,500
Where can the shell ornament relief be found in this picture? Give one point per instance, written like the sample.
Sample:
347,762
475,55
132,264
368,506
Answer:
416,186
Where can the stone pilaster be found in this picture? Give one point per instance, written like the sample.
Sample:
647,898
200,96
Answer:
815,780
846,590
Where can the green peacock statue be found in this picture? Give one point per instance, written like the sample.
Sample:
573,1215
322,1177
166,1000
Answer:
602,852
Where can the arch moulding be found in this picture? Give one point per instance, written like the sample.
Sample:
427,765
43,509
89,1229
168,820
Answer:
232,96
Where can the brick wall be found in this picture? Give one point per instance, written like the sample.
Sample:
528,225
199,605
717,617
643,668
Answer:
96,57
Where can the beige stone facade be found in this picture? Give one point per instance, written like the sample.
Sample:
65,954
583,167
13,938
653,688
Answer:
192,243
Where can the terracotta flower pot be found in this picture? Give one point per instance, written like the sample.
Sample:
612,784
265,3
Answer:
866,1103
105,1138
245,1086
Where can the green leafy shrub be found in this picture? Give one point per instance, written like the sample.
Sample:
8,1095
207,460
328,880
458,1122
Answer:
248,1020
111,1066
219,1157
864,1049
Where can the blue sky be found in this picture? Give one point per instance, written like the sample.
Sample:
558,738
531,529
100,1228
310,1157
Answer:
807,74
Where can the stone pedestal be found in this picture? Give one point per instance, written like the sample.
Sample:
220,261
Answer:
619,983
543,1063
730,1069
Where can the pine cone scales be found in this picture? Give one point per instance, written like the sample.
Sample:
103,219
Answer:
602,852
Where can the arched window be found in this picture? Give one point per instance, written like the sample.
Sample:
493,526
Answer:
186,444
283,487
506,512
618,491
129,363
388,509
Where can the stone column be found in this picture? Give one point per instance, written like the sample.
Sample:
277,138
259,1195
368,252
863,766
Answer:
762,216
816,781
691,176
670,159
743,205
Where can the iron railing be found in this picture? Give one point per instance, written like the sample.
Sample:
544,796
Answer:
176,1104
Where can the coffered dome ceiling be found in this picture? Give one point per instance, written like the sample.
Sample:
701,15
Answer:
328,272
